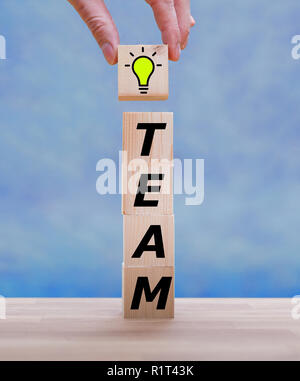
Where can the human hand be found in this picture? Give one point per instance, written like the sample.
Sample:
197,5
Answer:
173,17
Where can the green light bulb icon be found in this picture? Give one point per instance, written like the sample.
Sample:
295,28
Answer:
143,68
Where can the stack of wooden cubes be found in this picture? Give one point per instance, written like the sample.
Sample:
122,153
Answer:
147,187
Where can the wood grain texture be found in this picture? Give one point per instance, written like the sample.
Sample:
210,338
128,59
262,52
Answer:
203,329
147,310
134,230
159,160
129,89
133,138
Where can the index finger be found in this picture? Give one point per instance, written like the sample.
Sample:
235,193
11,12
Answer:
166,19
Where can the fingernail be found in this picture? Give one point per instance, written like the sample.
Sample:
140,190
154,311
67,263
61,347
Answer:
108,52
183,46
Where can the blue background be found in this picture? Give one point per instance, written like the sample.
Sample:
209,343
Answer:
236,95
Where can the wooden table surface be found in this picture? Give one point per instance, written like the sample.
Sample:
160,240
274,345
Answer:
203,329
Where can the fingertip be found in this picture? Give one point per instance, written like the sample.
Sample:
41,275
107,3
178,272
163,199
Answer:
174,52
184,44
109,53
193,22
115,60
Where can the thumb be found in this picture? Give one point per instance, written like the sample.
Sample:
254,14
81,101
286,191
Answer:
98,19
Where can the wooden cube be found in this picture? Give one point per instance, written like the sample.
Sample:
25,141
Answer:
148,135
146,193
143,72
148,292
148,240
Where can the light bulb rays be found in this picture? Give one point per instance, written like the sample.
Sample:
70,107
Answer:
143,67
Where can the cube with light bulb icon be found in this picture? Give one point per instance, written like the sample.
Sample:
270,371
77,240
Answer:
143,72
